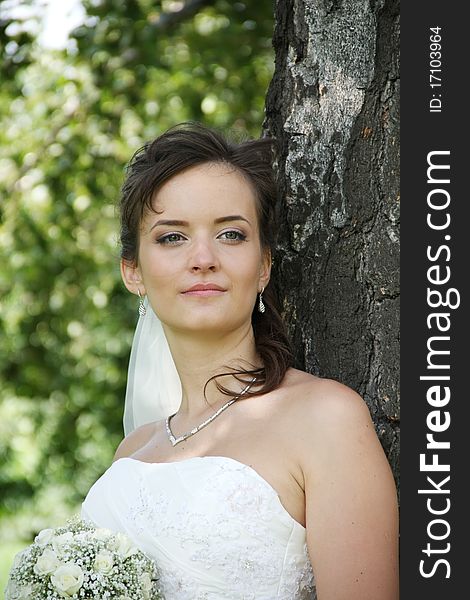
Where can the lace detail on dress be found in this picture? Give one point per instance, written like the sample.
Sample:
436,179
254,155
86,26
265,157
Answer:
217,531
298,580
246,513
148,511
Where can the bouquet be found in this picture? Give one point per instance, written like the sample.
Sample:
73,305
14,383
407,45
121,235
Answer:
79,560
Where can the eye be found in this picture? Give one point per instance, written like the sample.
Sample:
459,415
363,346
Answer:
170,239
233,235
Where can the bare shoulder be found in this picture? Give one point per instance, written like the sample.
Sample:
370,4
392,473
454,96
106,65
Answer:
348,481
329,418
135,440
315,399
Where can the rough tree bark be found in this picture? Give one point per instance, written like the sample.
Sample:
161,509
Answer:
333,107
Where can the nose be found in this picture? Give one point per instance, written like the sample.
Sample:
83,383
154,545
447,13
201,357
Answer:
204,256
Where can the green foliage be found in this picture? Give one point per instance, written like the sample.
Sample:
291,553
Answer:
71,120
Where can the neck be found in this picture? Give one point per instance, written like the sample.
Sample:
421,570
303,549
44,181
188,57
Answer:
198,357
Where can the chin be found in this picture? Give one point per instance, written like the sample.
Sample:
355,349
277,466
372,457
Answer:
204,323
197,321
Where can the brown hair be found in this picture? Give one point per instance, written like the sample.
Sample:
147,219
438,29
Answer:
191,144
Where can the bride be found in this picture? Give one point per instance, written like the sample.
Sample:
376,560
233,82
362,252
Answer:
240,476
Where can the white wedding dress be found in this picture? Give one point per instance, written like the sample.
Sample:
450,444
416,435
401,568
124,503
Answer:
216,529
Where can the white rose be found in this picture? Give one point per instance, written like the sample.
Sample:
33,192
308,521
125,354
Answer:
146,583
47,563
101,534
61,540
104,562
67,579
14,591
26,592
123,545
44,537
19,558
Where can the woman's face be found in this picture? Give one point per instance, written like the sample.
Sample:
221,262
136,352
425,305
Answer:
200,258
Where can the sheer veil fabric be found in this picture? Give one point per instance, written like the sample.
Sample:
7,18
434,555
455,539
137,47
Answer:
153,384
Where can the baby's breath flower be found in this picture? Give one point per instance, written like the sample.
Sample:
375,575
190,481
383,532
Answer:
82,562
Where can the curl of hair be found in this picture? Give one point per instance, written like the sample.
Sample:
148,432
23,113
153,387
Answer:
187,145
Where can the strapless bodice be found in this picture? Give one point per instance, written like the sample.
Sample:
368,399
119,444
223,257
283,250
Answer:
216,529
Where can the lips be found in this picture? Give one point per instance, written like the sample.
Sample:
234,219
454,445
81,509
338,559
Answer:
204,289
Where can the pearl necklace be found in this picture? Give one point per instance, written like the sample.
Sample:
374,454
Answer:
188,434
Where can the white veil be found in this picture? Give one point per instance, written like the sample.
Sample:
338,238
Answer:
153,384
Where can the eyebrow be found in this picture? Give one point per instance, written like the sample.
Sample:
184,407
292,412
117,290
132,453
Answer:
178,223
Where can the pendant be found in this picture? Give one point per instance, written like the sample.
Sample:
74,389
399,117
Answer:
185,436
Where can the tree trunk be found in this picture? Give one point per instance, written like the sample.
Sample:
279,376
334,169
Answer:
333,108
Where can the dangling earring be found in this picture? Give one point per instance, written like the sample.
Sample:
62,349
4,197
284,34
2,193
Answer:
261,306
142,309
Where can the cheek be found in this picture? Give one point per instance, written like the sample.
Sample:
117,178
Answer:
249,269
155,270
160,279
